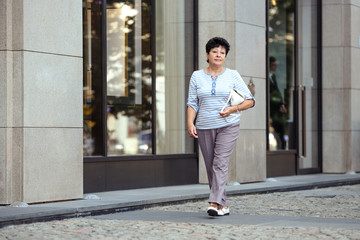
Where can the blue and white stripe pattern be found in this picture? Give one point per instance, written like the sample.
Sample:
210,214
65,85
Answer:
207,96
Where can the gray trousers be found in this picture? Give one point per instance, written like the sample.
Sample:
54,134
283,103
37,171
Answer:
216,146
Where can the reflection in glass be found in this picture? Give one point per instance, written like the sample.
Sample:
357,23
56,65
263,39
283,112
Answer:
92,104
174,65
129,100
281,74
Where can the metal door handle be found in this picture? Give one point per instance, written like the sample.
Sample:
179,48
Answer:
303,118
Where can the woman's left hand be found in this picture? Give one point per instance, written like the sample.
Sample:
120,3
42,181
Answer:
227,111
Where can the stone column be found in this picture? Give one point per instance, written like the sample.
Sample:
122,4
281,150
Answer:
341,86
243,24
41,100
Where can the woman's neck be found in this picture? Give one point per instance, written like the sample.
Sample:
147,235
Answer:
215,70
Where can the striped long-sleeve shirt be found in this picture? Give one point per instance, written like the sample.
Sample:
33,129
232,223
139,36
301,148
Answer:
207,96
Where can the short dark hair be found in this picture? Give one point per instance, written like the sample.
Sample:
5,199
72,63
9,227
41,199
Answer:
216,42
272,59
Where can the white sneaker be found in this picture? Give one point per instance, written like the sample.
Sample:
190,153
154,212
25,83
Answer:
213,209
223,211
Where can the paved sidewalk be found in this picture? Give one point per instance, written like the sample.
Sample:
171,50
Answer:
238,219
118,201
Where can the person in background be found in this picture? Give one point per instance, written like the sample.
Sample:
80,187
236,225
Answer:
277,106
209,89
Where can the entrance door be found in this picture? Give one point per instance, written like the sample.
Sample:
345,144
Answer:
293,100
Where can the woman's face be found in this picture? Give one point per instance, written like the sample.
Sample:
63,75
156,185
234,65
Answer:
216,56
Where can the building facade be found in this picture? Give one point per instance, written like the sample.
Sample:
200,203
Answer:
93,92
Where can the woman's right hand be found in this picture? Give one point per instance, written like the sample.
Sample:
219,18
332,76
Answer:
191,114
192,131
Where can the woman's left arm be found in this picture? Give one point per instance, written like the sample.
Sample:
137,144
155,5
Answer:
248,103
243,88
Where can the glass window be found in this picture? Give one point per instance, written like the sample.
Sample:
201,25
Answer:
129,85
281,75
174,66
93,69
118,76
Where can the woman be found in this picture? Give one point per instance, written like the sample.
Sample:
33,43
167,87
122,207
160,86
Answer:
209,89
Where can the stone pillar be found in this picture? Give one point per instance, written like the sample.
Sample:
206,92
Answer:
341,86
41,100
243,24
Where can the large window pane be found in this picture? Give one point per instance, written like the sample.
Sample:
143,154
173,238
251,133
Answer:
281,74
174,65
93,127
118,89
129,85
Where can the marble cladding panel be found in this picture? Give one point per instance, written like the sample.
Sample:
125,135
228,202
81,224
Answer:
53,164
232,168
333,68
251,156
202,169
10,88
333,2
333,25
16,25
18,89
250,50
10,24
346,65
3,168
354,110
336,109
3,88
231,11
213,10
15,164
341,2
11,162
307,2
334,148
251,11
52,90
354,67
353,2
53,26
355,151
3,25
355,26
255,118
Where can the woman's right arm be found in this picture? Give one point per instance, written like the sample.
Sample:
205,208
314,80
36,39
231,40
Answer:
191,114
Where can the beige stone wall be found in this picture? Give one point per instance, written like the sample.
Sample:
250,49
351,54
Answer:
41,96
243,24
341,85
